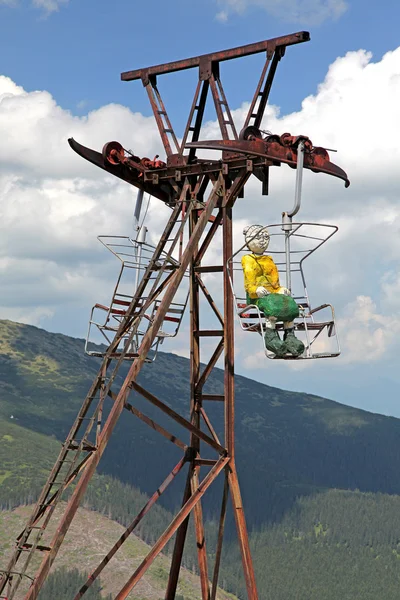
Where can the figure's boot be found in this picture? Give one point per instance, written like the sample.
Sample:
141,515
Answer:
293,345
273,342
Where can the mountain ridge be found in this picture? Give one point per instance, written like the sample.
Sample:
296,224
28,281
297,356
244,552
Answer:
288,443
302,460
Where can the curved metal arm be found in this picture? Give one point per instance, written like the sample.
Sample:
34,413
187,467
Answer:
299,180
287,216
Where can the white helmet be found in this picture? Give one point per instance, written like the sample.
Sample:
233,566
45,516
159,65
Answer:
256,238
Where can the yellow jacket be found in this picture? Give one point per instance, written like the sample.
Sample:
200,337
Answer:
260,271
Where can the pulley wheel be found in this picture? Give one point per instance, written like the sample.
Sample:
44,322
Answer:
113,153
248,131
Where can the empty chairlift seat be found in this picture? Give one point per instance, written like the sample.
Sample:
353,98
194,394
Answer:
106,319
315,326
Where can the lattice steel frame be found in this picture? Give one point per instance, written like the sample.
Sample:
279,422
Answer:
182,184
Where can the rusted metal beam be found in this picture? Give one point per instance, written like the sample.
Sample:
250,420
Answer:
202,167
179,545
243,537
229,407
160,114
214,397
199,107
209,333
209,269
175,523
177,417
210,365
195,406
205,462
220,539
209,425
151,501
209,298
200,536
229,350
271,148
208,239
151,423
189,63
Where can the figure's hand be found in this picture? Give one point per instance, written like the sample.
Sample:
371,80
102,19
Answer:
261,292
284,290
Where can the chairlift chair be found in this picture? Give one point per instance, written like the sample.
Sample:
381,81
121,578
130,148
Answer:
315,326
134,257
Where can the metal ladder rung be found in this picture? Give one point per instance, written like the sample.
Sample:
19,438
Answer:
28,547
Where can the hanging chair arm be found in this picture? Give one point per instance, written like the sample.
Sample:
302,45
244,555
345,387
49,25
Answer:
314,310
299,181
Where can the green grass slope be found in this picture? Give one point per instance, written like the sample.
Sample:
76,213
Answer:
100,533
26,459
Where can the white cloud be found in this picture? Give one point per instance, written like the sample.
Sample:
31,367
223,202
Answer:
307,12
222,16
53,204
366,334
35,316
391,291
48,6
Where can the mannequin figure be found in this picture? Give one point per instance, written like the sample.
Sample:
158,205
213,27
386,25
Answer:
261,282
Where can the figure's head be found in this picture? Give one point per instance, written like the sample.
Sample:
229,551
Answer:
257,238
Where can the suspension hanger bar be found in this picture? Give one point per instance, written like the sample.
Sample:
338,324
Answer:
189,63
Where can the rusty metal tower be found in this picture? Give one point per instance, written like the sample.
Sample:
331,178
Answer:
201,194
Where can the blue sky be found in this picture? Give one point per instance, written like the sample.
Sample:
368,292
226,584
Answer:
78,52
60,76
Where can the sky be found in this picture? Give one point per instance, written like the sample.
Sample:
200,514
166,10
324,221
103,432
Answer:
60,77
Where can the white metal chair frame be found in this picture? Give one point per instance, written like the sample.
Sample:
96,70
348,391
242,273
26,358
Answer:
135,257
250,316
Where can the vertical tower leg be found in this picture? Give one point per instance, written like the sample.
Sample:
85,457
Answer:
195,406
234,489
193,475
178,548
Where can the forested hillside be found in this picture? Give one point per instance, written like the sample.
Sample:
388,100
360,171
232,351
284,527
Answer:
63,584
334,545
319,479
288,444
